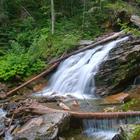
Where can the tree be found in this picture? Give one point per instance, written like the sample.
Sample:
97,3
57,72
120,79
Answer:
52,15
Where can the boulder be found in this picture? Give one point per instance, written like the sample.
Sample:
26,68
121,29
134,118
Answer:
135,19
117,98
120,69
45,127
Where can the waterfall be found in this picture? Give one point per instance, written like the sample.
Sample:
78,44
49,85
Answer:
106,129
75,75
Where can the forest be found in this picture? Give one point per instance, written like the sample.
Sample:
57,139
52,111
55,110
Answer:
35,33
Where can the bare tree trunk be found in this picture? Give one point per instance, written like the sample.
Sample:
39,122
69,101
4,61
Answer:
112,37
52,15
42,109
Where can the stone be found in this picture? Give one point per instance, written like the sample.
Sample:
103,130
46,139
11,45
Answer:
85,42
120,68
45,127
38,87
117,98
135,19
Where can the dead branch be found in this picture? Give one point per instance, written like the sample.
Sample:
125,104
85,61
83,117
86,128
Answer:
112,37
41,109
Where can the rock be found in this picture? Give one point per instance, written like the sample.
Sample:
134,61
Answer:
117,98
38,87
128,132
63,106
3,88
45,127
120,69
134,92
85,42
135,19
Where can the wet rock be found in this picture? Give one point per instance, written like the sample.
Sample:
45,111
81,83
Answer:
120,69
45,127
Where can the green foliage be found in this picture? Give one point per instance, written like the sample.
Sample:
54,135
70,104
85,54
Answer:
25,39
121,5
129,29
31,47
136,134
130,105
19,62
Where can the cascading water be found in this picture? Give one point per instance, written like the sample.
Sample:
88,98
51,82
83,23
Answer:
106,129
75,76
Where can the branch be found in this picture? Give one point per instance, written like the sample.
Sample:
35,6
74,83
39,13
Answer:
112,37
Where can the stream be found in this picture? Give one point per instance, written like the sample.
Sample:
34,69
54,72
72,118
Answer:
75,78
73,84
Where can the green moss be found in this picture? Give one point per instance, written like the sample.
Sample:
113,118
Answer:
136,134
133,104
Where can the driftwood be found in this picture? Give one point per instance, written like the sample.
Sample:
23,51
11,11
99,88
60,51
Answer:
41,109
112,37
31,80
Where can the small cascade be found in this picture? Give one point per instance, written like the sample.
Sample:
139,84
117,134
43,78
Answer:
2,119
75,76
106,129
137,81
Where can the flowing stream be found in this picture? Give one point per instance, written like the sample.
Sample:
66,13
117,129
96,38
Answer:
75,77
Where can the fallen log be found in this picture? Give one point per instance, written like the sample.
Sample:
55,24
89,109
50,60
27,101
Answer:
57,61
41,109
112,37
29,81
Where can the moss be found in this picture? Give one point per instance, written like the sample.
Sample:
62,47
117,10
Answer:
131,105
136,134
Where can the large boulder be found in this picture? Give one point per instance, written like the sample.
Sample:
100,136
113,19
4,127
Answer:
120,69
45,127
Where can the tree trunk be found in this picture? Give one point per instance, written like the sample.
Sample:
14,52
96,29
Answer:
52,16
112,37
41,109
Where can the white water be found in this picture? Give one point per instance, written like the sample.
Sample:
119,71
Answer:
75,76
106,129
